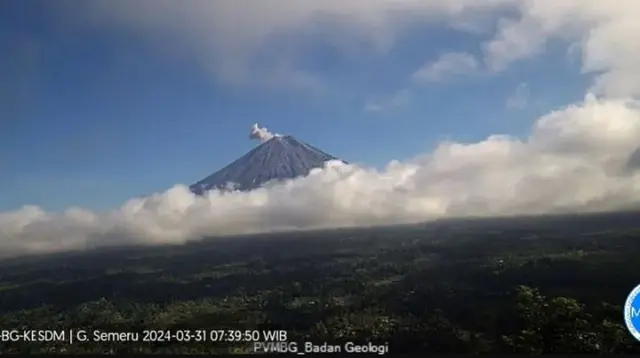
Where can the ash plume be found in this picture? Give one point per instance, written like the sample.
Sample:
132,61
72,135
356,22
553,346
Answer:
260,133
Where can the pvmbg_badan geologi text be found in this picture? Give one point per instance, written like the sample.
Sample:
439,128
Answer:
148,336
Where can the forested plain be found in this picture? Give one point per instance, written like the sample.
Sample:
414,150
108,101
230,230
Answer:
532,285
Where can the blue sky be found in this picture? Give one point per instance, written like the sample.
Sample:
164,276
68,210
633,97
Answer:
94,115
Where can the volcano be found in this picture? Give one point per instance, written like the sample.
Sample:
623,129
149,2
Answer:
277,158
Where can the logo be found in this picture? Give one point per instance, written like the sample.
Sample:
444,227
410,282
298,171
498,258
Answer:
632,313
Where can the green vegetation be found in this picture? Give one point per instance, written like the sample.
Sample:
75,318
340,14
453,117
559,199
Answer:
530,286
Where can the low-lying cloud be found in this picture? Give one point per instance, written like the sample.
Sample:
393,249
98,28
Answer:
580,158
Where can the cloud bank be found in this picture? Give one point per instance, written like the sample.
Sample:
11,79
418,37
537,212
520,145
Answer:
580,158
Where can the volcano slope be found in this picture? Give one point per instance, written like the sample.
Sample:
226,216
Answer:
279,158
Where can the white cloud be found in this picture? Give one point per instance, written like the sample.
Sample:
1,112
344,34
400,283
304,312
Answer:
226,36
520,97
605,33
575,159
447,65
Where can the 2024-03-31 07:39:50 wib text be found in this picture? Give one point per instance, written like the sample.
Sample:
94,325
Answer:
198,335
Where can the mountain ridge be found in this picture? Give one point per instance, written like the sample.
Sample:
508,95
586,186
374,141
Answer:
279,158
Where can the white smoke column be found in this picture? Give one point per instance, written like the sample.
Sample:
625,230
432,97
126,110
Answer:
260,133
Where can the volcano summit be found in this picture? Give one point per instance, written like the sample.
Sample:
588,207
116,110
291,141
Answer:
277,158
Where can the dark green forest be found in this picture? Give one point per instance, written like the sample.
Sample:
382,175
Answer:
525,285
